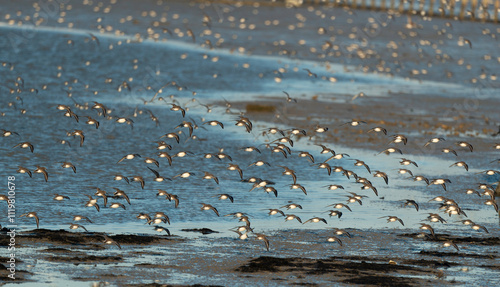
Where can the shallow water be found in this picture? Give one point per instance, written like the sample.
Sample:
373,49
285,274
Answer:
205,76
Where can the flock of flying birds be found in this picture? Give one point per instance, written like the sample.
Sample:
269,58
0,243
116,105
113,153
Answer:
277,145
276,149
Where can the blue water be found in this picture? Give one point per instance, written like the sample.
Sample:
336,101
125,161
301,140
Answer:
78,74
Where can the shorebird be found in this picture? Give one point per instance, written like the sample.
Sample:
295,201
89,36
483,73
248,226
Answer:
449,150
288,171
250,149
489,172
242,123
410,202
129,156
298,186
288,98
326,149
172,136
450,243
188,125
167,156
493,203
439,198
161,229
25,145
334,186
461,164
478,227
341,232
260,163
472,191
319,129
295,131
433,217
433,140
209,207
42,170
101,193
393,219
80,217
289,217
464,144
117,205
292,206
335,213
91,121
270,189
325,166
173,197
120,177
80,134
241,235
158,178
440,181
143,216
309,73
178,108
263,238
273,131
32,214
223,196
123,120
424,226
7,133
101,107
382,175
337,156
273,211
158,220
243,228
315,220
362,163
306,154
21,169
152,160
69,165
121,193
277,149
387,151
378,130
92,202
214,123
399,138
76,226
237,168
403,171
184,174
161,145
140,179
355,198
370,186
405,161
211,176
182,154
340,205
59,197
334,239
108,240
421,178
354,123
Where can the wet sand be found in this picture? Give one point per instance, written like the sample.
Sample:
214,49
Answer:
204,259
144,260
